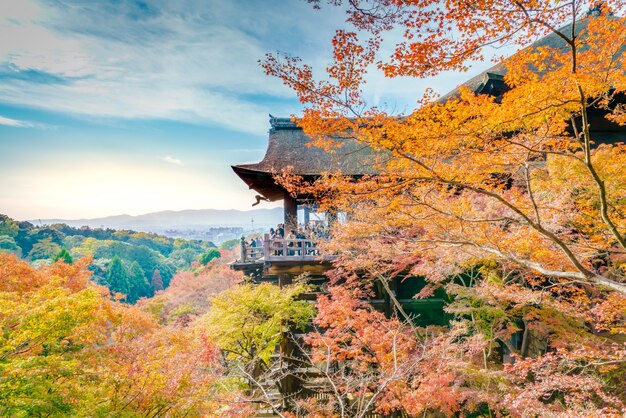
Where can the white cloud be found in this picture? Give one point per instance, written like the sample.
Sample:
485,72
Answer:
194,62
16,123
172,160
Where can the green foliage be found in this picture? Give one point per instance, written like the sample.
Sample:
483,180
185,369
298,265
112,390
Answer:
246,321
64,255
230,244
72,241
116,278
8,226
183,257
138,284
209,255
153,241
44,249
167,271
8,244
150,251
194,244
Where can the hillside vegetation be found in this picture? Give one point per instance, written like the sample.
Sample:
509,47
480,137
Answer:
67,348
135,264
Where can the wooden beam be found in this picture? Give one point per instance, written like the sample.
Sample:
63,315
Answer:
295,269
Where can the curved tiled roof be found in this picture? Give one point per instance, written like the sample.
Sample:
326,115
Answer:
288,147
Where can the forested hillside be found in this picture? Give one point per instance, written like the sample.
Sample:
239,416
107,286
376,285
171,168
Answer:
135,264
67,348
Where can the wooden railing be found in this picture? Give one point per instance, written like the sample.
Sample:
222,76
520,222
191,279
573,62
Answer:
290,250
279,250
250,254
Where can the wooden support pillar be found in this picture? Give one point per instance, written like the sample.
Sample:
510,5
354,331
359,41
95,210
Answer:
243,250
307,215
291,213
284,279
288,384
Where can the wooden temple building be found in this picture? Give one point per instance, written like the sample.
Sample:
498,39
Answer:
281,260
287,147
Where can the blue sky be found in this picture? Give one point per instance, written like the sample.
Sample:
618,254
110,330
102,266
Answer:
111,107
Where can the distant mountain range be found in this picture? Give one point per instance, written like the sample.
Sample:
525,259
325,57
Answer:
200,218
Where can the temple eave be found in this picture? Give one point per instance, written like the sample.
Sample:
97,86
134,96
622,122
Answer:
263,181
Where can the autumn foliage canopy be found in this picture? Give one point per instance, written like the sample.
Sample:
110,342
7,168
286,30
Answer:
514,202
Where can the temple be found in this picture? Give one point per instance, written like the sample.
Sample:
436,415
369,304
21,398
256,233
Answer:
288,147
281,260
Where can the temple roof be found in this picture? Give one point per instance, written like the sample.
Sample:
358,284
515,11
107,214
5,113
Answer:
491,81
288,147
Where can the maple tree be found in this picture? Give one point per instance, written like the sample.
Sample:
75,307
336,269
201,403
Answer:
445,167
512,202
189,295
246,321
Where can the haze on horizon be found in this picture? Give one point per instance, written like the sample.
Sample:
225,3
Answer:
141,106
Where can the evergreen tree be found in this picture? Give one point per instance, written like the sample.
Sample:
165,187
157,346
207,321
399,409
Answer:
167,271
211,254
64,255
116,276
139,286
157,281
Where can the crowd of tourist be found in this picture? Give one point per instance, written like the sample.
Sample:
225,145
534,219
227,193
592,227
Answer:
309,234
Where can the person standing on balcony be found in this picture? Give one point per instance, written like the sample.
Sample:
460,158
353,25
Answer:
291,237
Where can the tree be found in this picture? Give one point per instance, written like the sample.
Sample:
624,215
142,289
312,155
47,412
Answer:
138,284
116,277
516,187
157,281
189,293
450,160
8,226
246,321
45,249
8,244
49,317
67,349
230,244
183,258
64,255
211,254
